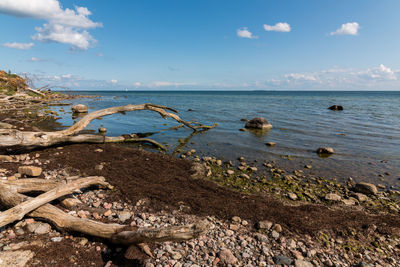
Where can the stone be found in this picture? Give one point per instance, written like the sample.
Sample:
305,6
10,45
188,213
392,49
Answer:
270,144
124,216
107,213
230,172
102,130
258,123
275,234
360,197
80,108
18,258
176,256
349,202
325,151
336,108
245,176
5,158
56,239
234,227
70,202
236,219
30,171
99,167
333,197
226,257
264,225
292,196
38,228
301,263
366,188
277,227
282,260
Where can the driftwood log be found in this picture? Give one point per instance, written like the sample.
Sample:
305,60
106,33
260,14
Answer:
20,205
15,140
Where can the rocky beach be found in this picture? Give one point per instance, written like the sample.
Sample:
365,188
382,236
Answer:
252,216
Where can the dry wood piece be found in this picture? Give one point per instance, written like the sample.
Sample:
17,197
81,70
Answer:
10,196
19,211
12,139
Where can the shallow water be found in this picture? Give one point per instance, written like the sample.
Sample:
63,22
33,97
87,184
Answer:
365,135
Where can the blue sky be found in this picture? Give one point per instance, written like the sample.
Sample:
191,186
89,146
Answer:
207,44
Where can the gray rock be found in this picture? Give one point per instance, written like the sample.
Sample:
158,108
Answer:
124,216
366,188
264,225
333,197
258,123
227,257
282,260
38,228
360,197
325,151
275,234
80,108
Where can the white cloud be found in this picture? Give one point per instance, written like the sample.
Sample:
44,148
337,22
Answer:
114,81
169,84
279,27
35,59
100,54
350,28
63,25
137,84
62,34
380,77
300,77
245,33
21,46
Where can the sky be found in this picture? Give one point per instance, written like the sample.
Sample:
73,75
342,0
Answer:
203,44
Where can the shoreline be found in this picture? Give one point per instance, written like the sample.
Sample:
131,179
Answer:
283,218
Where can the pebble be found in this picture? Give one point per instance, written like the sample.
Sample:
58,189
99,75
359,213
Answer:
282,260
123,216
333,197
30,171
56,239
226,257
264,225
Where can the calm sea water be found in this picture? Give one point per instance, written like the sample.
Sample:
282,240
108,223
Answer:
365,136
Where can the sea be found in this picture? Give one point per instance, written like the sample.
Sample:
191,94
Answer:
365,135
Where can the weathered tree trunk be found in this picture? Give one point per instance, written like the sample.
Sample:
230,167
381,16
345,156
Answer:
12,139
18,212
10,196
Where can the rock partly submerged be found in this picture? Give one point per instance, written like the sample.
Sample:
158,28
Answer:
325,151
258,123
80,108
336,108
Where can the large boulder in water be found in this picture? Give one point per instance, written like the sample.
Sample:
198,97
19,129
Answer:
336,108
80,108
258,123
366,188
325,151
